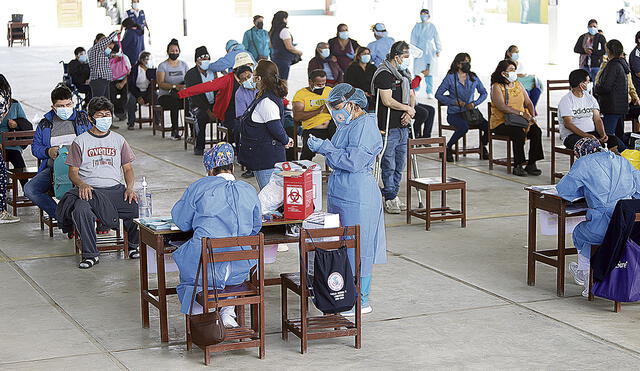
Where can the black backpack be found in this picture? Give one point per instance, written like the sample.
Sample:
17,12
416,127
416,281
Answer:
332,286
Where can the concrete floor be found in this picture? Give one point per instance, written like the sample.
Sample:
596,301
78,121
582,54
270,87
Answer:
449,298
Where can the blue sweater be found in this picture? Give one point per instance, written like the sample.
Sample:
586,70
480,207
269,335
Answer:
42,137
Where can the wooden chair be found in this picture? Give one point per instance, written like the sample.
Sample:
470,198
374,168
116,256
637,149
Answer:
45,219
297,146
222,133
456,150
18,32
18,138
617,306
248,293
554,85
505,161
442,184
158,120
153,86
107,243
327,325
190,132
555,129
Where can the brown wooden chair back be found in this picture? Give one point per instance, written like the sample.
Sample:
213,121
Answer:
436,145
16,138
329,239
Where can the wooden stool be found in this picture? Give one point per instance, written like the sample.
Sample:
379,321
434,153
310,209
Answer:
442,184
327,325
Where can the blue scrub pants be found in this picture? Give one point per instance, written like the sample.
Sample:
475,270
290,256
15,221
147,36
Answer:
611,123
365,286
393,161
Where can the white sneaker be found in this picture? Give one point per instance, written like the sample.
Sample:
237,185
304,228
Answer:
352,312
391,207
578,275
429,96
228,321
6,218
401,205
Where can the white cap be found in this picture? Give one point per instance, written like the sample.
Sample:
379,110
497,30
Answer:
242,59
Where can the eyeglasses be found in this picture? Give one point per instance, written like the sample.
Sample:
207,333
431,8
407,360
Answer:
101,114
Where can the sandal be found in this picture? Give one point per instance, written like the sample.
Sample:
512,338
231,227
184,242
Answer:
134,254
87,263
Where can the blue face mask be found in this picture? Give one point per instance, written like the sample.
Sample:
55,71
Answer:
593,30
64,112
83,58
424,17
343,35
404,65
205,64
366,58
515,56
249,84
324,53
341,116
103,124
107,52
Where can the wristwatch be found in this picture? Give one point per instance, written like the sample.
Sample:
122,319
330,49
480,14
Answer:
174,86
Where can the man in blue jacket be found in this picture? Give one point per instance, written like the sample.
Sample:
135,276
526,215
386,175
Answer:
57,129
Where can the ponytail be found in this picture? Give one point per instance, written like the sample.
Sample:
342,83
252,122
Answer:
270,79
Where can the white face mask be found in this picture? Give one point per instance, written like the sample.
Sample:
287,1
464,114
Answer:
588,87
135,6
512,76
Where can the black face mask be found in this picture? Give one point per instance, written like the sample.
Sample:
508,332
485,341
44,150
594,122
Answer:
259,25
174,56
465,67
318,91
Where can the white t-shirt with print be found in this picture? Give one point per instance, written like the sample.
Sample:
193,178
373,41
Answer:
580,110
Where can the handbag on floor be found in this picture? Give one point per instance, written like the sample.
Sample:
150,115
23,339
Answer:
511,119
473,116
206,328
332,285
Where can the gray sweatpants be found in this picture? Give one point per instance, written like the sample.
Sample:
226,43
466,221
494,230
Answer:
84,220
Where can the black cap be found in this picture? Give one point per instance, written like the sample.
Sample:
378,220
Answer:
200,52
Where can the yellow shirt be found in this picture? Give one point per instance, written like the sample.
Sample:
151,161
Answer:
516,101
313,101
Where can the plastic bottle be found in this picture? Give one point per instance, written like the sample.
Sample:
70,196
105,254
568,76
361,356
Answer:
144,200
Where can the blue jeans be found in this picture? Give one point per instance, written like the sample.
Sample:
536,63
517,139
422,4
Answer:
393,161
534,95
283,67
611,123
593,71
462,127
37,190
263,177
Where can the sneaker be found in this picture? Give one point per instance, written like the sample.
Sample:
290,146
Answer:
400,204
6,218
229,321
485,153
578,275
134,254
352,312
87,263
391,207
532,170
519,171
449,155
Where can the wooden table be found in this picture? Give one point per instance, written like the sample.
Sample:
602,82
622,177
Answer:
274,232
554,257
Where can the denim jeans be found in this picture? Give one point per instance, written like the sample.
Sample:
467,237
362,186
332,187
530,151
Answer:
611,123
534,95
37,188
462,127
593,71
263,177
393,161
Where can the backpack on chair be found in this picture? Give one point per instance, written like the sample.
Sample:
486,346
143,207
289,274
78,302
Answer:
61,182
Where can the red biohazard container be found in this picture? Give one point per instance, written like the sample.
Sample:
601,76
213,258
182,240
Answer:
298,194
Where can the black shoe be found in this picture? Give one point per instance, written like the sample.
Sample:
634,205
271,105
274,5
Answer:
198,152
519,171
449,155
247,174
131,127
533,170
485,153
115,127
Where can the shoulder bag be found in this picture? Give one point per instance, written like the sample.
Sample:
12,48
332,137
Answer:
118,65
512,119
206,328
473,116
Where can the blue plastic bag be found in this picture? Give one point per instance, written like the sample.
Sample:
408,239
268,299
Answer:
623,283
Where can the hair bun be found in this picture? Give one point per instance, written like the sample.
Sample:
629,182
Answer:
174,42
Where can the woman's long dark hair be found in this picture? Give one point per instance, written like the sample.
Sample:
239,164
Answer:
615,46
496,76
278,23
270,79
506,54
459,58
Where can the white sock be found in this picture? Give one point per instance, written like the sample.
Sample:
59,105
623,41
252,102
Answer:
584,263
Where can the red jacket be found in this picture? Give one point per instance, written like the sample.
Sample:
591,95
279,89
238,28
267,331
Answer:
223,85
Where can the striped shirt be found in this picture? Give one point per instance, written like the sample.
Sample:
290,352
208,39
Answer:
98,61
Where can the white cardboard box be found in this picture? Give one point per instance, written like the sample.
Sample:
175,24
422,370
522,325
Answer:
549,223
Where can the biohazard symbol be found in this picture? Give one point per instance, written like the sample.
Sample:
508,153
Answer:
294,196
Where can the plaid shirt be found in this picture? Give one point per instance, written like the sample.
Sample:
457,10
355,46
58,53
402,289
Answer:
98,61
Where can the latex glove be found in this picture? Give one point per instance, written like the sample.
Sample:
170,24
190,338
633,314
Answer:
314,143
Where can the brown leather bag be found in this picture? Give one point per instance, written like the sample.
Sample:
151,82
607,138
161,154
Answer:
206,328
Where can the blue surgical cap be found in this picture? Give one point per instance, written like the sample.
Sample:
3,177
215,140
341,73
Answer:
221,154
346,93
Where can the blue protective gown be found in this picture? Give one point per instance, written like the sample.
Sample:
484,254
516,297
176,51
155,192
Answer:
425,36
353,192
602,179
379,49
214,207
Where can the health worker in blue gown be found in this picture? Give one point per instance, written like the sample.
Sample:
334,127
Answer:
215,206
602,178
353,191
425,36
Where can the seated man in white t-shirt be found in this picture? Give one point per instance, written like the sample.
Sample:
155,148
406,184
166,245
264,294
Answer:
579,114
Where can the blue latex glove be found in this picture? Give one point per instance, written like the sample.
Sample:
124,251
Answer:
314,143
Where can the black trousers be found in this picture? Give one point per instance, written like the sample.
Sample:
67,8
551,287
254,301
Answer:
119,98
423,120
326,133
518,137
15,158
571,140
174,105
202,118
